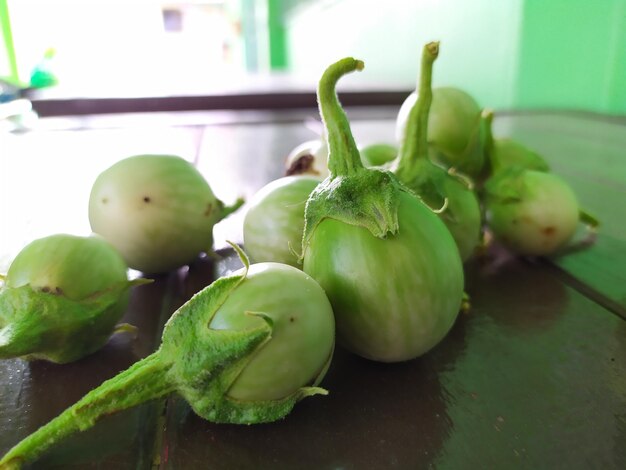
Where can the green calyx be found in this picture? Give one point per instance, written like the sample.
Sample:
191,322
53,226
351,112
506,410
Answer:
414,167
143,381
507,186
225,210
41,325
507,153
194,360
352,193
206,362
222,212
469,160
368,199
429,184
448,193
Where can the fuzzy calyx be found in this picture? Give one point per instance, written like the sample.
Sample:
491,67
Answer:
44,325
506,186
206,362
368,199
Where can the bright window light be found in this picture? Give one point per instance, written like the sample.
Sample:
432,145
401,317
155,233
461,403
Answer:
130,47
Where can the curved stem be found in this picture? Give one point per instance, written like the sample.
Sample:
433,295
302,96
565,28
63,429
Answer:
589,220
145,380
227,210
415,145
343,155
126,328
461,178
487,117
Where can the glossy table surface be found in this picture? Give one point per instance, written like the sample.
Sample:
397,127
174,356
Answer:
534,376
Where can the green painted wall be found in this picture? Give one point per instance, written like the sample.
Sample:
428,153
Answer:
277,37
573,55
478,47
509,54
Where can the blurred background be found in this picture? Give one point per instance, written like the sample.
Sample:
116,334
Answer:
510,54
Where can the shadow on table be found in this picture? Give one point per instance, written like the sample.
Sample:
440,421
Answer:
532,297
375,416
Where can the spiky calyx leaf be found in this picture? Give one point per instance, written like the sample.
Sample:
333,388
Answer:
206,362
368,199
506,186
195,360
44,325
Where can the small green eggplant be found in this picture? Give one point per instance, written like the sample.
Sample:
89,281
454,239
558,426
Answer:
530,210
158,211
377,154
437,187
62,299
388,264
533,213
503,153
274,221
236,354
456,130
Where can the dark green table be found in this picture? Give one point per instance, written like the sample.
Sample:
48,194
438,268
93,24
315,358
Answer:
533,377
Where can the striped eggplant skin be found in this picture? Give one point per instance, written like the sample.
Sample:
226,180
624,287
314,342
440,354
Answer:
274,221
394,298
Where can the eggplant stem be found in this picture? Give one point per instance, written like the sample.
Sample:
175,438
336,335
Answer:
343,154
415,143
466,304
126,328
591,228
487,116
461,178
442,208
145,380
589,220
227,210
486,240
243,257
292,250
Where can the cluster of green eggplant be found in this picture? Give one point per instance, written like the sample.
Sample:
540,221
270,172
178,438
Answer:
244,349
368,248
481,186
